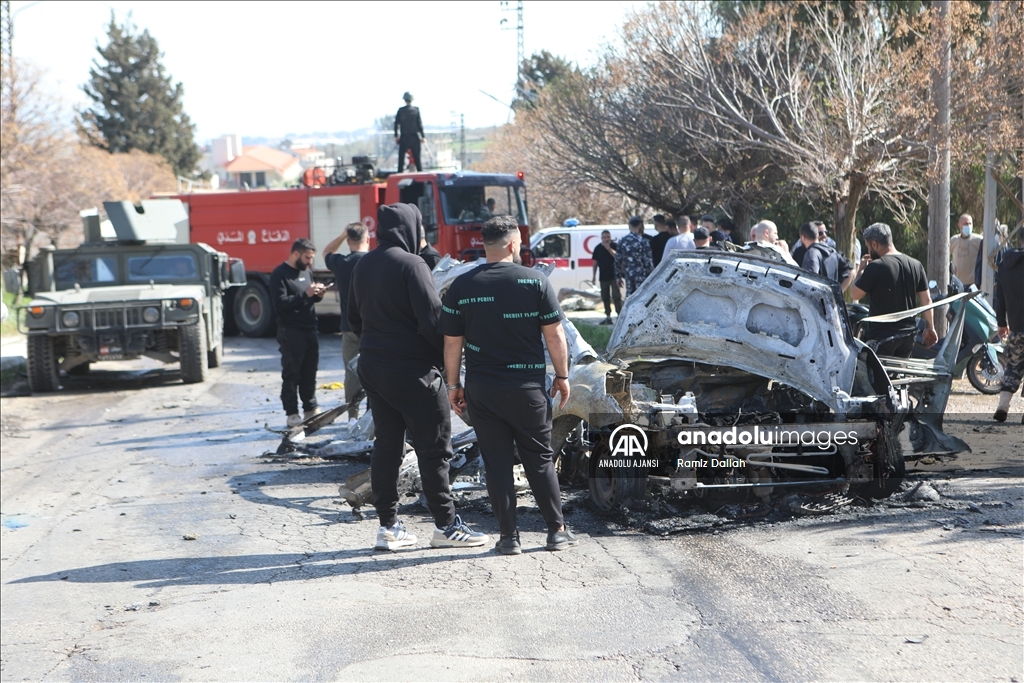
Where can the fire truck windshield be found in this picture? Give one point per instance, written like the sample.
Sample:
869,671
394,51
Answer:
477,204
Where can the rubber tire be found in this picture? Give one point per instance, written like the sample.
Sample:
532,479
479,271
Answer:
889,468
230,324
974,373
193,354
611,490
254,313
43,366
215,357
82,369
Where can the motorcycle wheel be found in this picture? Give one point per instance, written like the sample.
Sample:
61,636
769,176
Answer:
982,375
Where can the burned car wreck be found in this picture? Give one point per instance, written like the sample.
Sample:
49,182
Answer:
739,375
739,372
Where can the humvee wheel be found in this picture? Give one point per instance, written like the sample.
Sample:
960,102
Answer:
216,356
43,368
82,369
195,361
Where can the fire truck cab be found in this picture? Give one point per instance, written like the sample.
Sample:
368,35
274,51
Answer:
455,205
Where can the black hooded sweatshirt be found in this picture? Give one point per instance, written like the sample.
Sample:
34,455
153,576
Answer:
392,303
1008,297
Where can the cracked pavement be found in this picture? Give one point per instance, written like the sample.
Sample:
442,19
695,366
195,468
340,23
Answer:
103,481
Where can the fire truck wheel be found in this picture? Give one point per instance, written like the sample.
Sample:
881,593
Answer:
43,370
254,313
192,351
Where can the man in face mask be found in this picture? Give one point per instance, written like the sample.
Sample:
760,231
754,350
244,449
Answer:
963,250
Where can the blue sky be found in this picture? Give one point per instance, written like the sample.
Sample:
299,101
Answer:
271,68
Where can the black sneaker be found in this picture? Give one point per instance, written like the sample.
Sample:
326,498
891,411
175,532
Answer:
1000,415
560,540
508,545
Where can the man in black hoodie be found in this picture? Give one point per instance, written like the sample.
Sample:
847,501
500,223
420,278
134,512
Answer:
394,308
1008,300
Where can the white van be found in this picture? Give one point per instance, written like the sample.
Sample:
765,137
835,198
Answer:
571,250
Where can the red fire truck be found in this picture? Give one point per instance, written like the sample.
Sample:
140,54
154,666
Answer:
259,226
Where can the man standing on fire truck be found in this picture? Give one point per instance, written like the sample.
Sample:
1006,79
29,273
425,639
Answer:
408,133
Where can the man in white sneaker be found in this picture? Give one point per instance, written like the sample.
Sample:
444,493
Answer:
393,307
501,311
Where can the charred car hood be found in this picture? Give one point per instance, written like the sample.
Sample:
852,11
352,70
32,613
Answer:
761,316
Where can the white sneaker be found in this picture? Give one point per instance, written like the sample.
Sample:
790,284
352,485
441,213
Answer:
310,413
458,535
394,537
294,420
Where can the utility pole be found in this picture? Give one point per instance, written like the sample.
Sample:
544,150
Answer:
462,141
520,44
938,185
989,219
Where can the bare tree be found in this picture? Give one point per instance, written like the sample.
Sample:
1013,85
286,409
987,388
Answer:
834,100
48,175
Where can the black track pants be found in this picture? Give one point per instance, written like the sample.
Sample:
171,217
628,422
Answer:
300,356
413,400
504,416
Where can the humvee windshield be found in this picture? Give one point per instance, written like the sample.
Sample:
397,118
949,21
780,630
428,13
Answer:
167,267
85,271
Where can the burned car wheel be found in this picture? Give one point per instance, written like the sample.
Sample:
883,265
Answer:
43,368
889,467
612,488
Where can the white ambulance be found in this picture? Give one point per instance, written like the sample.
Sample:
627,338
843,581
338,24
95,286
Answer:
570,249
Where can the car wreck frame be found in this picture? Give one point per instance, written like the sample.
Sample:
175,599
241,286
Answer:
726,340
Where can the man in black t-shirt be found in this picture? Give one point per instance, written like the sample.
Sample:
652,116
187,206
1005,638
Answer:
895,282
501,311
294,295
342,266
604,264
662,237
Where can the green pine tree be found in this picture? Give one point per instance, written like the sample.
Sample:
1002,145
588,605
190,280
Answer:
134,103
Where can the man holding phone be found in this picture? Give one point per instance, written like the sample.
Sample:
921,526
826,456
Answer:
294,295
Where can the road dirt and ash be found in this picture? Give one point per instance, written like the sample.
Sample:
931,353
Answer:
146,536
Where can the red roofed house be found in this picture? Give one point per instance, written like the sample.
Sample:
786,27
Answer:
261,166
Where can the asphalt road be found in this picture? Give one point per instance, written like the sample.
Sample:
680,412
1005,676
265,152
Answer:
103,481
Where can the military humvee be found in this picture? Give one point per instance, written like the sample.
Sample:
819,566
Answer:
139,295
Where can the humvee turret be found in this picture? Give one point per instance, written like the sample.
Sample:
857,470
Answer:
142,294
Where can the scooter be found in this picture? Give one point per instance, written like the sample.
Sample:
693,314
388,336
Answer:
980,354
